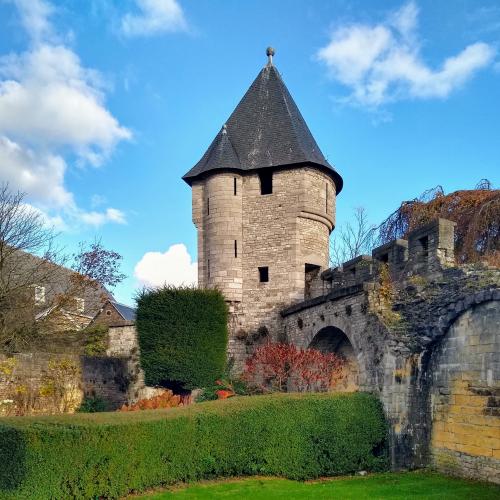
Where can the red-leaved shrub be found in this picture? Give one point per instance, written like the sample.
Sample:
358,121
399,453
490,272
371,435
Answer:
166,399
286,368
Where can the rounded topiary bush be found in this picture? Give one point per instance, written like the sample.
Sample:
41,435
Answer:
182,336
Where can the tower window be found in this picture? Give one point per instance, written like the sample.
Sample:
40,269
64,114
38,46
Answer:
236,248
326,198
208,206
424,243
266,182
208,268
235,187
263,274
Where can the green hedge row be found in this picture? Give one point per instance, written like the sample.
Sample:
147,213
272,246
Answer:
110,454
182,335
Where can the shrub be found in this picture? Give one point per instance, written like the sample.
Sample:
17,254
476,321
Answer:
182,336
109,454
96,340
93,404
284,367
164,400
222,389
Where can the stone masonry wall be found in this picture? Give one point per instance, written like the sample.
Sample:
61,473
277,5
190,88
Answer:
57,376
240,230
465,395
432,356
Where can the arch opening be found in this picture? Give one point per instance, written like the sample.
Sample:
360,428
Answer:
333,340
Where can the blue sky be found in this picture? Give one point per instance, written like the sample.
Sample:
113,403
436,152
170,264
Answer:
105,104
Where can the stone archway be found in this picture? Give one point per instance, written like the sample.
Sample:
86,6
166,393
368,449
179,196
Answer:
334,340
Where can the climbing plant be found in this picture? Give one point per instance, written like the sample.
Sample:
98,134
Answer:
476,212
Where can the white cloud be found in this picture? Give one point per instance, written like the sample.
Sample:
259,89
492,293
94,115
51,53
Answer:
41,174
55,222
174,267
52,106
34,16
48,99
154,17
99,218
382,63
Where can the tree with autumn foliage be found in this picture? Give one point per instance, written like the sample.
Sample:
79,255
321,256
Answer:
286,368
476,212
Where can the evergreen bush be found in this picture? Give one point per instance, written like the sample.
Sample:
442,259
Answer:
182,336
107,455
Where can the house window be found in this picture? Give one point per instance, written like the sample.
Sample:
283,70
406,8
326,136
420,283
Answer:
236,248
266,182
235,187
263,274
384,257
108,313
39,295
79,304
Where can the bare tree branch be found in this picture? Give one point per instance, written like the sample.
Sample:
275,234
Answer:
352,238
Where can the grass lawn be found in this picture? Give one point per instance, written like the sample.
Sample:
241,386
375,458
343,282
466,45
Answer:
421,485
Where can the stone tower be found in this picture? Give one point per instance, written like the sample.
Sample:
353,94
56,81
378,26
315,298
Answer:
264,207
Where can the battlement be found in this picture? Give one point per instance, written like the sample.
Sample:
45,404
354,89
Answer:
428,250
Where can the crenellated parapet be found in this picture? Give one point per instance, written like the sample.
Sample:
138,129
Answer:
427,252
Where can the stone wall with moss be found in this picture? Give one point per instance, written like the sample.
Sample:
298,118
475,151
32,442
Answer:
426,338
59,371
465,395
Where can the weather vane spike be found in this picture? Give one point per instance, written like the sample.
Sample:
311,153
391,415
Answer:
270,54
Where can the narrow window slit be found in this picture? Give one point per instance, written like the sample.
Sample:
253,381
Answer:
264,274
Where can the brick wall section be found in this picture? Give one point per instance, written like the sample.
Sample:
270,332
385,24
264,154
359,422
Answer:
465,396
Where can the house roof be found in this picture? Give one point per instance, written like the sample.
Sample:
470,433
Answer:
265,130
126,312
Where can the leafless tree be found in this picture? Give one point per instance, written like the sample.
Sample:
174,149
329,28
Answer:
353,238
30,263
22,234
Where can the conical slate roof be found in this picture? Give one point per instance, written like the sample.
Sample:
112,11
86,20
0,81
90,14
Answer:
265,130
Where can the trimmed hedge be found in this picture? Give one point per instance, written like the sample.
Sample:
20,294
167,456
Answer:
182,336
110,454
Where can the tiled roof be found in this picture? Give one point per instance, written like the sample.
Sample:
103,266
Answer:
126,312
265,130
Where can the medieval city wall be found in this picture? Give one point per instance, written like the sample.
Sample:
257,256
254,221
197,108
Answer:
465,395
431,352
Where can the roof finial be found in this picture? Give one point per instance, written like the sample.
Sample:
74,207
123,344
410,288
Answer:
270,54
